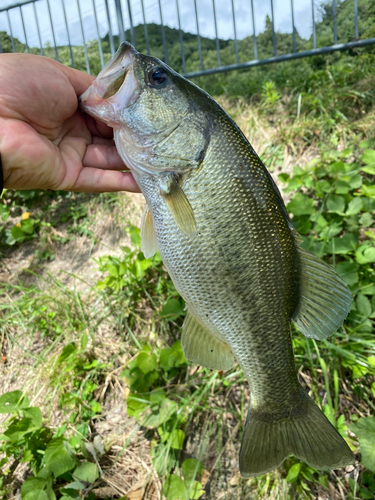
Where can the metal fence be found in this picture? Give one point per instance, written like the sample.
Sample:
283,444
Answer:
57,23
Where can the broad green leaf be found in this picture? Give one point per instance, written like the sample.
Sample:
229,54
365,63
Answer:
331,230
368,191
368,157
323,480
366,220
156,415
366,143
343,245
13,401
135,404
172,356
175,489
157,396
302,224
67,352
177,439
87,472
33,484
301,205
76,485
18,429
84,340
35,415
18,234
172,309
335,203
363,305
293,473
57,457
364,429
135,236
348,272
365,254
354,207
355,181
283,177
322,186
191,468
36,495
196,490
366,494
342,187
293,184
338,167
370,169
146,362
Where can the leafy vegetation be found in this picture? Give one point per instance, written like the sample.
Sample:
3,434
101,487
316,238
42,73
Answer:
97,392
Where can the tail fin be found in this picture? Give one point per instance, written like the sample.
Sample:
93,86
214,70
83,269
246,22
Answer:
305,433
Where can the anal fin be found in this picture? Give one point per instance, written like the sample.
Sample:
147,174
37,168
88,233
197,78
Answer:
325,298
201,347
149,243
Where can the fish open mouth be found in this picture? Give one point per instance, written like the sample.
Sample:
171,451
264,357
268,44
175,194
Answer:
115,87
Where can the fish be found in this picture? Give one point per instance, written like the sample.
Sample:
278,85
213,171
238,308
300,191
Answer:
223,232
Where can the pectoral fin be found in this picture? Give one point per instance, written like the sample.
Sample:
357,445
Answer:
201,347
325,298
178,205
149,243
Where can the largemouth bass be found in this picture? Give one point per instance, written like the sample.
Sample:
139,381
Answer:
223,232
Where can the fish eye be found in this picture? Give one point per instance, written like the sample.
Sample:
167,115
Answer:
157,76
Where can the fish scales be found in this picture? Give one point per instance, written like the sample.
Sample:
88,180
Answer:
228,274
225,237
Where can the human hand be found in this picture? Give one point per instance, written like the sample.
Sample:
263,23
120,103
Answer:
45,141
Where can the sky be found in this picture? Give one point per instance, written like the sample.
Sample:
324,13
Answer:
242,9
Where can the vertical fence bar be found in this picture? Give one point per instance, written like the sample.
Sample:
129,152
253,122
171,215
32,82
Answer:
181,40
273,30
163,34
356,19
110,35
53,30
334,21
1,48
132,33
294,28
145,28
38,29
217,40
98,34
67,33
120,21
235,33
254,34
83,38
198,35
313,21
10,31
24,30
